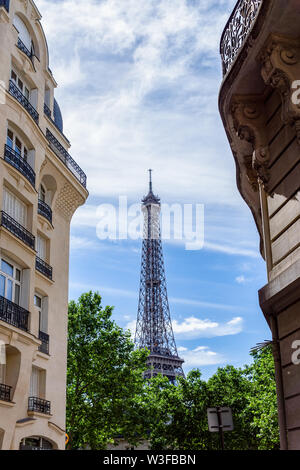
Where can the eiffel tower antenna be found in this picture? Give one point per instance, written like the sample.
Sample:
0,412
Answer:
154,327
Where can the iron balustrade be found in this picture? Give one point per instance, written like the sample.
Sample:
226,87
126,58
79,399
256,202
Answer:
44,347
64,156
43,267
237,30
5,392
13,314
24,49
18,95
5,4
18,162
47,111
17,229
45,210
39,405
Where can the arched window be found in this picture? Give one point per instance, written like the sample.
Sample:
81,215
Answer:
24,34
35,443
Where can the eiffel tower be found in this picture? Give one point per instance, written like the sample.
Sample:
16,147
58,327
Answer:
154,327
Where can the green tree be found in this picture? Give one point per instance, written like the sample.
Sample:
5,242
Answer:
104,374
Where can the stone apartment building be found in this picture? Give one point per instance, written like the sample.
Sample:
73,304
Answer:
260,107
41,186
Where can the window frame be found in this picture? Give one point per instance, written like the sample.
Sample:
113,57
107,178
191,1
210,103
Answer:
13,279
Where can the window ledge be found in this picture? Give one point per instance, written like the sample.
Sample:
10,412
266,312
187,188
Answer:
35,414
7,404
4,16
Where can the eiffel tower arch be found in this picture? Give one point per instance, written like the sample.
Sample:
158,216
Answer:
154,327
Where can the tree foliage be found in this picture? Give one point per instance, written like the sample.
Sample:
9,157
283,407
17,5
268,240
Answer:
107,396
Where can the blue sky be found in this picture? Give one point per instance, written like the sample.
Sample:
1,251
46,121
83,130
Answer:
138,88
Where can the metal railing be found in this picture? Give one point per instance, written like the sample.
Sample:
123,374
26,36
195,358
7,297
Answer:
16,229
47,111
16,93
24,49
44,347
237,30
39,405
64,156
5,4
15,160
13,314
45,210
43,267
5,392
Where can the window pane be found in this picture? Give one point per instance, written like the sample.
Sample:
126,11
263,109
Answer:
18,146
17,294
10,138
26,93
18,275
13,76
20,84
9,289
25,154
37,301
7,268
2,285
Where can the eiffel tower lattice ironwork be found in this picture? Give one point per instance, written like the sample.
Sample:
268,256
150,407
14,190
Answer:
154,328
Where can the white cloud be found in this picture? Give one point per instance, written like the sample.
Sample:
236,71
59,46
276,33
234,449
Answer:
194,327
201,356
82,243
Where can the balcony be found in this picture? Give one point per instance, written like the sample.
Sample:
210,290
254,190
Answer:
64,156
13,314
47,111
44,347
45,210
24,49
18,95
43,267
38,405
17,230
15,160
5,392
5,4
237,30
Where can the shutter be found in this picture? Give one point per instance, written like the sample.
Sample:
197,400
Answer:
41,247
2,363
44,315
34,382
24,34
15,208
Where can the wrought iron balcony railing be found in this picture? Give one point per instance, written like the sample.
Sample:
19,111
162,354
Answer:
43,267
47,111
237,30
15,160
39,405
5,4
44,347
24,49
13,314
5,392
64,156
16,93
16,229
45,210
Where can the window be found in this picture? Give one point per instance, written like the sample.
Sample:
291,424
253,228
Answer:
41,247
14,207
2,363
10,281
35,382
24,34
16,144
20,84
42,193
41,305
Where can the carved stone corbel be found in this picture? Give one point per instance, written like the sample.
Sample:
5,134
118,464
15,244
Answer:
280,68
249,124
